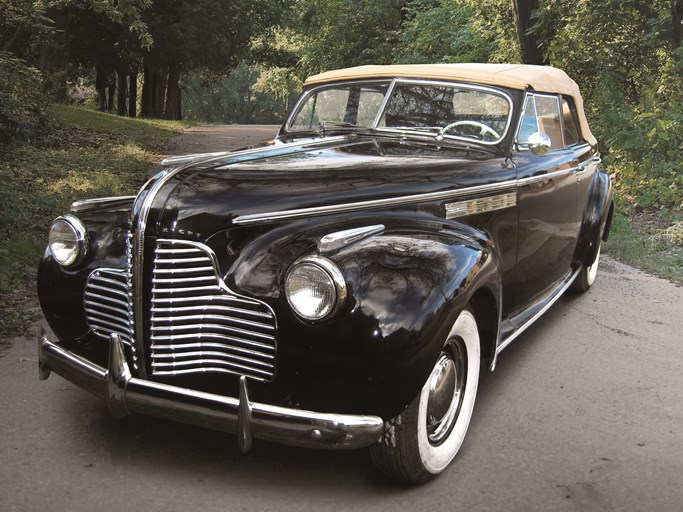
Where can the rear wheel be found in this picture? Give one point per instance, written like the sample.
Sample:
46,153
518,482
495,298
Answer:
419,443
587,275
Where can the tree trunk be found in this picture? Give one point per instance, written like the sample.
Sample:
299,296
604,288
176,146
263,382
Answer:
101,87
110,98
528,43
172,110
159,88
147,107
53,60
677,22
133,94
122,93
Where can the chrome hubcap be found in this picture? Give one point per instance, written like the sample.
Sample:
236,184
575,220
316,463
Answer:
446,387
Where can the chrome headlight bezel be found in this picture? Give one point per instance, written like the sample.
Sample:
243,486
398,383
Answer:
335,283
77,240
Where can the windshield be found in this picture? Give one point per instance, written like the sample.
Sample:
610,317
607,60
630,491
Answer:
450,110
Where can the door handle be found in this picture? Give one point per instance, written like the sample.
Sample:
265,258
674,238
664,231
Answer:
580,170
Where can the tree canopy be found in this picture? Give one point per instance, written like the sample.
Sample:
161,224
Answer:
244,60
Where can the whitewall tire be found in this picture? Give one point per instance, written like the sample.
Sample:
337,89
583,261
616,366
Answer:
421,442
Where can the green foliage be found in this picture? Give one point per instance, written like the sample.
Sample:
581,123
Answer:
458,31
89,154
208,35
621,54
22,106
237,98
340,33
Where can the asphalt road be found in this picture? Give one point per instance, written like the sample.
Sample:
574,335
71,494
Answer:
585,413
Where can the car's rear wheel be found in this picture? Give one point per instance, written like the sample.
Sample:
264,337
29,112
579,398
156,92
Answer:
587,275
419,443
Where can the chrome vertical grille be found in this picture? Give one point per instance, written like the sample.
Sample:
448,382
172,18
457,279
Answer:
107,304
198,325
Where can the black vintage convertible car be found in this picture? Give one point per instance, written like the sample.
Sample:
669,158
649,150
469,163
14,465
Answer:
341,286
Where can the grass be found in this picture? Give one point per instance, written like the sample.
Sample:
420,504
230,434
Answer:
86,154
652,242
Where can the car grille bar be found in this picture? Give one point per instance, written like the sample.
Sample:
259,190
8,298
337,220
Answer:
107,304
199,325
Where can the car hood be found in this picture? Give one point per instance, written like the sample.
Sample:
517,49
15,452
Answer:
211,194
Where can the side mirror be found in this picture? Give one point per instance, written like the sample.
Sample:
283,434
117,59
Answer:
539,143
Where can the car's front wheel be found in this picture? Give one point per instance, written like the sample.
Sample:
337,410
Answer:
419,443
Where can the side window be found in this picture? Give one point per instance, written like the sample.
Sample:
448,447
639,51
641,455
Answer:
541,114
569,125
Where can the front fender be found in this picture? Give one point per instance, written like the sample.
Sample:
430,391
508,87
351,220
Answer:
405,287
60,290
411,287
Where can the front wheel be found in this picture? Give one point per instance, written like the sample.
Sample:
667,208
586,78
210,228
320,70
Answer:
419,443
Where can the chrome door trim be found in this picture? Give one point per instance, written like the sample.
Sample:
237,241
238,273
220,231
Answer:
503,344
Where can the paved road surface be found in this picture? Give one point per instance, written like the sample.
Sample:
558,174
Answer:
584,413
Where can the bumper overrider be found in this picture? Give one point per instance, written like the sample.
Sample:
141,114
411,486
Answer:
125,394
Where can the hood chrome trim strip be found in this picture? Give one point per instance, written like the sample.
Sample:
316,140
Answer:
254,218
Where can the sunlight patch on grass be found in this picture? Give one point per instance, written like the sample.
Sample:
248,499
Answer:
87,154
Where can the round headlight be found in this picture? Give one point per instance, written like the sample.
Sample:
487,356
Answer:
315,288
68,240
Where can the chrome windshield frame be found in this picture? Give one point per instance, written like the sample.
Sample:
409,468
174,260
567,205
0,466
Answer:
382,108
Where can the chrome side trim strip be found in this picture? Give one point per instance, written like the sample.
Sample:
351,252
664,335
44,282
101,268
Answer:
481,205
538,315
376,203
254,218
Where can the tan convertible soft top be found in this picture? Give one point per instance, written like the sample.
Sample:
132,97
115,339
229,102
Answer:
514,76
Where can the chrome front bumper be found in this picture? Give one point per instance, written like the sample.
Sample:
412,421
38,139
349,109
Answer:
125,394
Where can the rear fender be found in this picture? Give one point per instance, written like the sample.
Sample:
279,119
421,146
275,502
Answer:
597,218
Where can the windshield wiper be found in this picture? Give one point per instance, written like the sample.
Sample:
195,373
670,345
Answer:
430,138
325,126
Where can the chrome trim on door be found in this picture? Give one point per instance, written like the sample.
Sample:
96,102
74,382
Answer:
503,344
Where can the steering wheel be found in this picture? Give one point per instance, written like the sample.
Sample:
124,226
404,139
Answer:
483,129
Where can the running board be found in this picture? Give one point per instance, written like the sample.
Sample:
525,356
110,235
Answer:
549,302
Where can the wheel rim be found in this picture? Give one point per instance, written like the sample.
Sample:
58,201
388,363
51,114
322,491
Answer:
446,391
